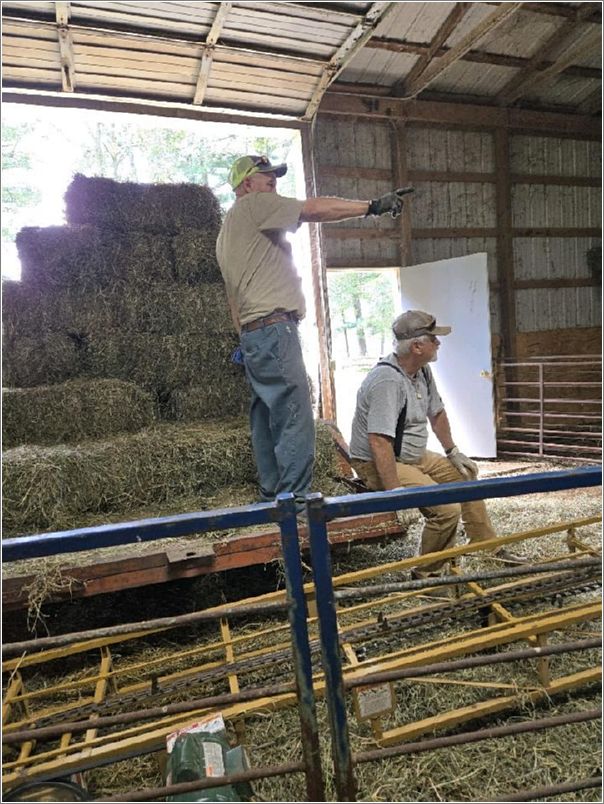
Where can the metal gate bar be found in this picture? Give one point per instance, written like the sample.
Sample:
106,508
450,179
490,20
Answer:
321,509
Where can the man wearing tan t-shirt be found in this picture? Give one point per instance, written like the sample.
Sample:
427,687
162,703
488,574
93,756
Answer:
266,301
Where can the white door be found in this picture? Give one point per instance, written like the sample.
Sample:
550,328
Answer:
456,291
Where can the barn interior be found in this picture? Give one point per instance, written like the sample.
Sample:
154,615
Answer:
147,599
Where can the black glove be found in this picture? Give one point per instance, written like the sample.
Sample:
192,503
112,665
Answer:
391,202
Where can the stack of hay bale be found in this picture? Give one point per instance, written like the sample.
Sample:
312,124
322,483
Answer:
117,342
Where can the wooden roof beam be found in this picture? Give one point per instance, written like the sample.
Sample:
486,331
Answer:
208,52
359,35
438,66
451,22
514,88
592,104
62,14
477,56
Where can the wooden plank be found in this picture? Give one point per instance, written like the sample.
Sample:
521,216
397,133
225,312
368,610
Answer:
503,13
530,75
467,115
357,233
445,176
355,40
577,282
402,179
231,553
505,248
449,24
319,284
127,106
68,79
566,181
476,56
553,231
208,51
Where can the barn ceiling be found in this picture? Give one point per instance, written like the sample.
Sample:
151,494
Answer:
281,59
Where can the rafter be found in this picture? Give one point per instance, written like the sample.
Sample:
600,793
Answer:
208,51
62,14
487,26
592,104
590,40
513,89
476,56
359,35
444,32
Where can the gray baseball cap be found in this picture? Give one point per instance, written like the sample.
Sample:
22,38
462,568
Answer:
414,323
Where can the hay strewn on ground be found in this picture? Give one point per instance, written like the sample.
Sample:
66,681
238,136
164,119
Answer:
72,411
55,488
125,206
87,258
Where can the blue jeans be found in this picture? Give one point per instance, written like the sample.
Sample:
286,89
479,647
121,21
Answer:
281,418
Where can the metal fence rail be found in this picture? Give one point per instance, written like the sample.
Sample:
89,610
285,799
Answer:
320,510
550,407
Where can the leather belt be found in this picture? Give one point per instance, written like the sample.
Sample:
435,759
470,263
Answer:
273,318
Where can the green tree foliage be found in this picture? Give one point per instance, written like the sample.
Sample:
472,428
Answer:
361,301
18,185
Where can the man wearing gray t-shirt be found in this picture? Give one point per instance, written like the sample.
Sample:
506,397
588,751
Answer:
266,301
395,402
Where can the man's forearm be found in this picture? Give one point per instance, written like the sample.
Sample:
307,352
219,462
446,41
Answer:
442,429
324,210
384,460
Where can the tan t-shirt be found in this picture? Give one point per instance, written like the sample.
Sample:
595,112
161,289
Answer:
255,258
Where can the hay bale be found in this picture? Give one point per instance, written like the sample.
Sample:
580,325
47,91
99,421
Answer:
43,360
72,411
229,397
161,361
178,309
195,257
54,488
163,309
126,206
50,487
86,257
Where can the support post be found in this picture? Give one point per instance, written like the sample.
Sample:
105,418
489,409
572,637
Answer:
297,615
330,648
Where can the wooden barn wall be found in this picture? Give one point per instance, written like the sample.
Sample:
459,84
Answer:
540,281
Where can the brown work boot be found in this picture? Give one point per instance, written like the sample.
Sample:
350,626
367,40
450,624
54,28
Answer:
510,558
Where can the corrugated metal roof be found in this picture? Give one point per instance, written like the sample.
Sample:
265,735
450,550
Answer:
280,57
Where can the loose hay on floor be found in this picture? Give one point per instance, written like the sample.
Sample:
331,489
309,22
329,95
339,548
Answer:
73,411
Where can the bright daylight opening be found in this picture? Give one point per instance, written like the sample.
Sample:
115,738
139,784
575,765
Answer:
362,307
43,148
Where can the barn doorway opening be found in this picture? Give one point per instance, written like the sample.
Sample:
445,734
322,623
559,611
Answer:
362,306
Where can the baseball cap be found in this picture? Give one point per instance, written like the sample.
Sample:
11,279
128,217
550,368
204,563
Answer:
248,165
414,323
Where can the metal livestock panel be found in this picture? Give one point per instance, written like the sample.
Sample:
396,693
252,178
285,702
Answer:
556,205
552,257
440,149
554,156
539,309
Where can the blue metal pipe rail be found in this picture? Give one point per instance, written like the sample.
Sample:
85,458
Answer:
320,510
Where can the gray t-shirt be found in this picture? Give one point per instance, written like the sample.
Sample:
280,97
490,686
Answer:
255,258
380,400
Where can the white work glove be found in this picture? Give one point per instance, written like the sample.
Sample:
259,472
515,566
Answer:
462,463
391,202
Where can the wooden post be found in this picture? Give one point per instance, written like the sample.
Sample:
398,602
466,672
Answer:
327,407
505,248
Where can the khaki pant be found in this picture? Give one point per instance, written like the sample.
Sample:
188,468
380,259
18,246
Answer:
440,527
